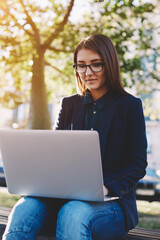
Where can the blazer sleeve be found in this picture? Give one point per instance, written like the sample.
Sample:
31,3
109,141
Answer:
123,181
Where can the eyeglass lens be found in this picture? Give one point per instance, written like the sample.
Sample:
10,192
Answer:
95,67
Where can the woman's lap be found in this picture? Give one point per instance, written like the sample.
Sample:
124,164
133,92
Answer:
90,220
76,219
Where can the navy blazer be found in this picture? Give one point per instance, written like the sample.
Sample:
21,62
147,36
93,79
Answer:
123,144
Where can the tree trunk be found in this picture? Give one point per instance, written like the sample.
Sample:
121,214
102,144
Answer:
39,114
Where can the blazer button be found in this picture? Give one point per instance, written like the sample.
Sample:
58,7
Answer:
123,192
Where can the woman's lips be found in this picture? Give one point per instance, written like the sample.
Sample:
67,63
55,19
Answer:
90,80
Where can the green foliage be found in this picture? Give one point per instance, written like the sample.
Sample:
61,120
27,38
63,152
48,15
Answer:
31,33
28,26
124,22
8,200
151,112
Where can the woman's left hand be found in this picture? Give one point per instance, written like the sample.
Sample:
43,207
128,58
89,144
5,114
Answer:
105,190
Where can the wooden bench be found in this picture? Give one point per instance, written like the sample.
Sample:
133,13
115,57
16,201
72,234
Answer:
135,234
143,234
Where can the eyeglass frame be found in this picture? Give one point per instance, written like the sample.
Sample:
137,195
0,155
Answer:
88,65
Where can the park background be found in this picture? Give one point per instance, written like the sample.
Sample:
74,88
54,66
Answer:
37,40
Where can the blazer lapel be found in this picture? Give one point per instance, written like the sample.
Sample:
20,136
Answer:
79,114
106,121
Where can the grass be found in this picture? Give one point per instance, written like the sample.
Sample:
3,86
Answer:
8,200
149,213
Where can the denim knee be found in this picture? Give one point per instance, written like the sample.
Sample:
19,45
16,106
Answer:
73,220
26,219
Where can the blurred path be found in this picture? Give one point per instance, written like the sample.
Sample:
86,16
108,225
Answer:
3,190
4,212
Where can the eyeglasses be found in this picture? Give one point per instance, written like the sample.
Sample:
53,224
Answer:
82,68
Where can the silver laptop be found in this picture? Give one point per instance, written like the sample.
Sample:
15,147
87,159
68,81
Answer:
56,164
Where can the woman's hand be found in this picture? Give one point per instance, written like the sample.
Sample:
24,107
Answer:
105,190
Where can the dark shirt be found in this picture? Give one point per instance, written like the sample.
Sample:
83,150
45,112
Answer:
93,111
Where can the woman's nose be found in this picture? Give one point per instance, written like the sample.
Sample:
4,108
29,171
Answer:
89,71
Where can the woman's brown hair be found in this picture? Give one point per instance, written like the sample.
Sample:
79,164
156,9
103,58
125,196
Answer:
102,45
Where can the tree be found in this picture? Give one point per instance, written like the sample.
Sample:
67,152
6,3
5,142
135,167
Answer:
28,36
38,41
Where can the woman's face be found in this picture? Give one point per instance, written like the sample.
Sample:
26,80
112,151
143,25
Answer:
94,81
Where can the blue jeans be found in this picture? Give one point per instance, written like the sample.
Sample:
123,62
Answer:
68,220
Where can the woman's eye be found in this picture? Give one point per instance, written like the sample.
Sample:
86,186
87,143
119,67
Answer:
82,65
97,64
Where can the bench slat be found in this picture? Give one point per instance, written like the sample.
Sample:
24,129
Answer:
143,233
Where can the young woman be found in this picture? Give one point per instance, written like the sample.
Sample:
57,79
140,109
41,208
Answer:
102,105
